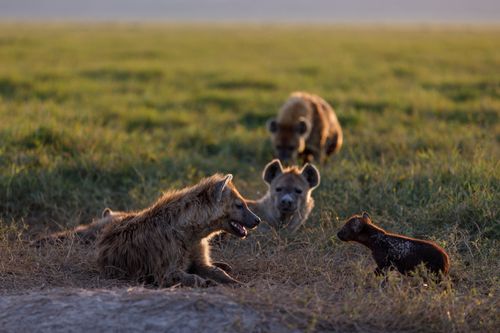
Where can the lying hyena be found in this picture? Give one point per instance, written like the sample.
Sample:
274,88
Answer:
288,201
167,243
85,233
307,128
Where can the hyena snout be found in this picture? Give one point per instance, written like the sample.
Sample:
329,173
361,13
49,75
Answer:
287,203
251,220
344,235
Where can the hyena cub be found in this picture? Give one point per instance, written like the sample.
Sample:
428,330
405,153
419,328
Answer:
306,127
288,201
167,243
85,233
392,250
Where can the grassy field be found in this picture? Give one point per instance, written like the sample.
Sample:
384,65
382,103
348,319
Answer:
112,115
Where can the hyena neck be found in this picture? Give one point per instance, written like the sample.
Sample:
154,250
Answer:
199,223
373,237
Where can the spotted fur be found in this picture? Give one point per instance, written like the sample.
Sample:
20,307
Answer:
392,250
167,243
306,128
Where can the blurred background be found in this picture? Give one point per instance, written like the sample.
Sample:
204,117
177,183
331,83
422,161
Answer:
485,11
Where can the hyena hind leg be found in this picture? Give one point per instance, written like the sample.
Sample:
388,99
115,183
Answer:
186,280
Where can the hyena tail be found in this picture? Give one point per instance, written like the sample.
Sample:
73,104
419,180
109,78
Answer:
84,233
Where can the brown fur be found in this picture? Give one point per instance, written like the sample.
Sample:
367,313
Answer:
167,243
307,128
85,233
392,250
288,201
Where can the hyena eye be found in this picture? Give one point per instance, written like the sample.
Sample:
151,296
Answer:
239,205
278,189
298,191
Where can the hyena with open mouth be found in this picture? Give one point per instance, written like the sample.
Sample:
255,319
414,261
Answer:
167,243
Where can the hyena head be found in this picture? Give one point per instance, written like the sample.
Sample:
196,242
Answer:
355,228
289,140
237,217
290,188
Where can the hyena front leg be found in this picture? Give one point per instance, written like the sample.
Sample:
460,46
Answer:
222,265
214,273
185,279
294,224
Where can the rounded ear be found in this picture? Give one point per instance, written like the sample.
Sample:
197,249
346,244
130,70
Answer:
303,127
366,216
272,170
106,212
221,186
272,125
311,174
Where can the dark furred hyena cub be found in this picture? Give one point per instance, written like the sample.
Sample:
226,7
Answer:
392,250
167,243
288,201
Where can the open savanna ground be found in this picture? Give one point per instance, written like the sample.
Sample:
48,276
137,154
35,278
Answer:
112,115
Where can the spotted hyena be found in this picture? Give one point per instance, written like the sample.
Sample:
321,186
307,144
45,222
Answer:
307,128
167,243
288,201
392,250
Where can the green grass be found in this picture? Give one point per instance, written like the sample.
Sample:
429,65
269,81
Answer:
113,114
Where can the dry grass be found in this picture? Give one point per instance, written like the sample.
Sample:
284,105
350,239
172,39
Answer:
313,281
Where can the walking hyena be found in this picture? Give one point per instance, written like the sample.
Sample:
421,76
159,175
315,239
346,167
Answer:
392,250
167,243
85,233
288,201
306,127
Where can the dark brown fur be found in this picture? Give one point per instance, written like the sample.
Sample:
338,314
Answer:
288,201
392,250
307,128
167,243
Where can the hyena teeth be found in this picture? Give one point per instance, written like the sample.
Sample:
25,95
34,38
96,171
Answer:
239,227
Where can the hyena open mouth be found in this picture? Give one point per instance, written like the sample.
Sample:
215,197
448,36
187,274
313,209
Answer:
238,229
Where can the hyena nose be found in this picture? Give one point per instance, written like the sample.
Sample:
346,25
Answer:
286,201
257,220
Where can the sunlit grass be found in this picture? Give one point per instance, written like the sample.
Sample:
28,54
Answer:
112,115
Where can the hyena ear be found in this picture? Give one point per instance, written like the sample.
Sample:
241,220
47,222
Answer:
272,125
366,216
311,174
221,186
106,212
303,127
272,170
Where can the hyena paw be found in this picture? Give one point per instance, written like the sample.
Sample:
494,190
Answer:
222,265
208,283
